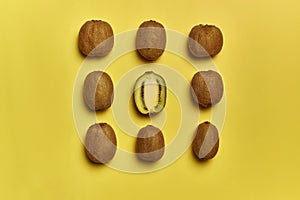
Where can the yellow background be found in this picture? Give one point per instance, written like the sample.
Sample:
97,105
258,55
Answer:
42,156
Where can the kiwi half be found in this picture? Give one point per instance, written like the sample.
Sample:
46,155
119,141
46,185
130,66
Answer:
150,93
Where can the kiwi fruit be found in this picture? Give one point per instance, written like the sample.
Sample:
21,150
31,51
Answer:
96,38
100,143
206,141
151,40
150,145
207,88
98,91
205,40
150,93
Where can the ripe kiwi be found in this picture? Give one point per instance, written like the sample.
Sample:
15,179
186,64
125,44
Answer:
207,88
150,93
96,38
150,145
206,142
205,40
98,91
100,143
151,40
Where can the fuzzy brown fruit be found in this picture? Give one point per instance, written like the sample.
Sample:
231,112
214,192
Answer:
150,145
207,88
96,38
206,142
98,91
100,143
151,40
205,40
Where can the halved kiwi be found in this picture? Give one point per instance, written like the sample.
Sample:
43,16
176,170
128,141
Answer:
150,93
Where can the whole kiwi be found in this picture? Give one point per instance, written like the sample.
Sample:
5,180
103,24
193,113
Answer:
206,142
100,143
205,40
151,40
207,88
150,145
98,91
96,38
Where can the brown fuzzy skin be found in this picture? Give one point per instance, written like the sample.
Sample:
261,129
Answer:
100,143
96,38
151,40
207,88
210,39
98,91
150,145
206,142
